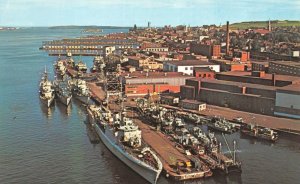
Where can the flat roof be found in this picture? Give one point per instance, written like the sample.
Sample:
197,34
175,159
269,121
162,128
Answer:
142,74
228,62
293,88
265,63
190,62
267,76
192,101
287,63
138,57
240,84
203,69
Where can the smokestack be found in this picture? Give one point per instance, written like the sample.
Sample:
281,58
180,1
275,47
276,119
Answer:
273,79
227,38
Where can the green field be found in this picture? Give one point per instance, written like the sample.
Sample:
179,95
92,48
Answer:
264,24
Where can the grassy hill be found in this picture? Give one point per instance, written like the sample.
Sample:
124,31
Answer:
264,24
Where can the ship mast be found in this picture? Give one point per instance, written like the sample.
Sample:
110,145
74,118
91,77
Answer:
113,86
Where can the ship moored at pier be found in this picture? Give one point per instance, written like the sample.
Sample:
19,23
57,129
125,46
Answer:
123,138
259,132
46,90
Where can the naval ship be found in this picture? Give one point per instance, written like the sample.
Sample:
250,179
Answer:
60,68
81,90
98,64
63,91
46,90
123,138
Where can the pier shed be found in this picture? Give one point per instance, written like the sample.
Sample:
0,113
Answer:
192,104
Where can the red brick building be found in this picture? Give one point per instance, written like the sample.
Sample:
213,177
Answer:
143,89
227,65
242,56
209,50
142,83
200,72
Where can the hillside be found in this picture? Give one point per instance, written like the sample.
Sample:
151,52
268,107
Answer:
264,24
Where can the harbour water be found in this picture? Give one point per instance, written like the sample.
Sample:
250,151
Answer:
39,145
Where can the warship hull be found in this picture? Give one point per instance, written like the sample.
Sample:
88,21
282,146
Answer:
64,99
107,137
47,101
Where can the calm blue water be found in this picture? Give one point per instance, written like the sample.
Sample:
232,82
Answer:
38,145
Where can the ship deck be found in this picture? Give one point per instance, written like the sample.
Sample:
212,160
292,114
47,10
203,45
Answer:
96,91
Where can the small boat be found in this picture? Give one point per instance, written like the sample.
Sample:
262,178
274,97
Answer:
222,125
200,135
259,132
178,123
46,90
193,118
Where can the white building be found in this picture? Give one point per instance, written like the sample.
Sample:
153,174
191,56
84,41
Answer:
109,50
157,49
202,37
296,53
187,66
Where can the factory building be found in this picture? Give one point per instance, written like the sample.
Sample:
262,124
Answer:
285,67
260,66
142,83
267,79
211,50
269,95
288,101
240,96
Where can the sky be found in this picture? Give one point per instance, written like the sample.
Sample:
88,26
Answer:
139,12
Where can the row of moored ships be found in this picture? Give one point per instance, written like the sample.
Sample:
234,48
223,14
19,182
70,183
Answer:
62,87
118,132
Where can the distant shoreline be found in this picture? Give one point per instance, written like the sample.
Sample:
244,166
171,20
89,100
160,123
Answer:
88,27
